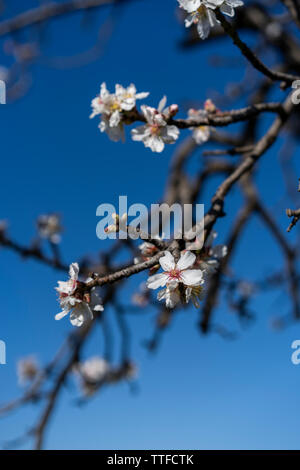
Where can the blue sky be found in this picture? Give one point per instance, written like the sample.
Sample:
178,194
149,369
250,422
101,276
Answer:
195,392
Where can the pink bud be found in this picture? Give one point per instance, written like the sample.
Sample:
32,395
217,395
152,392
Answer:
173,109
210,106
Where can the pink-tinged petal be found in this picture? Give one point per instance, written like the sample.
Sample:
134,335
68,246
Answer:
187,259
192,277
156,281
167,262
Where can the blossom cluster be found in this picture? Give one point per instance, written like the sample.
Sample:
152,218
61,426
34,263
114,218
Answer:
202,13
119,108
74,300
158,129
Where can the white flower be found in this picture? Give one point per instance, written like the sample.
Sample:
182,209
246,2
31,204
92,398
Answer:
112,107
49,227
79,305
156,132
115,132
27,369
174,276
120,224
201,13
127,96
190,5
201,134
94,369
92,372
204,18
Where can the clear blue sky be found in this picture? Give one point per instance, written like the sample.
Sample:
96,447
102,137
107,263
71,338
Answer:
195,392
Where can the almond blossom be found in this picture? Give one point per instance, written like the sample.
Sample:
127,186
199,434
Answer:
176,277
201,13
120,223
156,132
74,301
201,134
92,372
49,227
113,107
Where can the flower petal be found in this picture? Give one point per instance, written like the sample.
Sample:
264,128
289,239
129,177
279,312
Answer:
167,262
74,271
192,277
61,315
187,259
156,281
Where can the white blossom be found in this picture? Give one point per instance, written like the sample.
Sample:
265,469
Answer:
127,96
120,223
113,107
92,372
79,305
201,134
49,227
174,275
201,13
94,369
27,369
204,19
190,5
156,132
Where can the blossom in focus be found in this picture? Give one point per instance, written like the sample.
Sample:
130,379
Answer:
176,277
27,369
74,301
113,107
156,132
49,227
